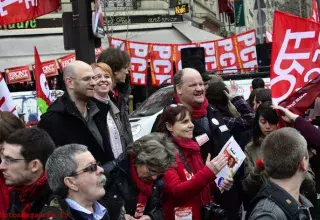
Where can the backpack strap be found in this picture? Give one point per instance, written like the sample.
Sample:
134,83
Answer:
183,158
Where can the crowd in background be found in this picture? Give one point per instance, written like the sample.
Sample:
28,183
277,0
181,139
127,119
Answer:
81,161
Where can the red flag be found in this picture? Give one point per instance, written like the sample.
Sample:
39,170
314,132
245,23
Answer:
315,12
15,11
295,54
42,87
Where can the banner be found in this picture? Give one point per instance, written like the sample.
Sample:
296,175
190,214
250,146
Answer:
18,74
117,43
315,11
246,44
42,87
177,54
139,62
227,55
65,60
49,68
14,11
97,20
210,55
301,100
295,54
239,13
6,101
161,60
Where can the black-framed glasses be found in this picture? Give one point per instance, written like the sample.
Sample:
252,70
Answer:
91,168
10,160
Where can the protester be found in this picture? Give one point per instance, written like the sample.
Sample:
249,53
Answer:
74,118
25,153
77,181
187,185
257,83
220,96
8,124
133,188
251,98
286,161
265,123
261,96
119,61
103,74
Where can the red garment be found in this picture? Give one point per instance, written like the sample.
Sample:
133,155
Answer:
144,188
115,94
28,194
197,112
181,192
4,195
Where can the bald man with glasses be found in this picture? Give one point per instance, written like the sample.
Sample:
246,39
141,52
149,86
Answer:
74,118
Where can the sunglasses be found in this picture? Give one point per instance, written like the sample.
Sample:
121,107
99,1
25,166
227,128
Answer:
91,168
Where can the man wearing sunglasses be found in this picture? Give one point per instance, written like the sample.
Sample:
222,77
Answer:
74,118
78,182
25,153
134,188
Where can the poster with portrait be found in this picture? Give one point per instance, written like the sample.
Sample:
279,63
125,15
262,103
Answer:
235,156
97,20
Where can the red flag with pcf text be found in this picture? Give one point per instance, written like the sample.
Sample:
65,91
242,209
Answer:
139,62
177,54
246,43
210,55
295,54
161,59
14,11
227,55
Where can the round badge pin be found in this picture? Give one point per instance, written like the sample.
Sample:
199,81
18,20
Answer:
215,121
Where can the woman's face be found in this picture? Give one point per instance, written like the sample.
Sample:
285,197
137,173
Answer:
182,129
103,82
265,127
120,76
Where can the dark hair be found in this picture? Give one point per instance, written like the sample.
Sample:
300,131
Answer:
115,58
170,115
35,144
8,124
269,114
216,96
263,95
257,83
251,98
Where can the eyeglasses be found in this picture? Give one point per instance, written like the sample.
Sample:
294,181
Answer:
9,160
85,79
91,168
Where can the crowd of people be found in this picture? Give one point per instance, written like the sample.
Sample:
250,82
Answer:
81,161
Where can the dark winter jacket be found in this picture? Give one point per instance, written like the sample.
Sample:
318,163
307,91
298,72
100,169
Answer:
121,192
59,209
310,132
122,103
16,207
65,125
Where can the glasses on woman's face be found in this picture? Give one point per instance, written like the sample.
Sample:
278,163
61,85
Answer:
91,168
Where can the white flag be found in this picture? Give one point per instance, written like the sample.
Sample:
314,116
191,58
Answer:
6,101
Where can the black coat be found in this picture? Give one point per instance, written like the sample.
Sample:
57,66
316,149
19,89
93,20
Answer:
65,125
59,209
16,207
121,192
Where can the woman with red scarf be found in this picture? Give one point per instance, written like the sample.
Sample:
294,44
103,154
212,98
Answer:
8,124
133,189
188,184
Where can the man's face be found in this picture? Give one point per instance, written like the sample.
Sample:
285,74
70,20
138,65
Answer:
120,76
14,168
83,82
192,90
90,184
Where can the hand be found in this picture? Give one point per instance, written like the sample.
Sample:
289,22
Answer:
129,217
145,217
233,90
227,183
217,163
288,116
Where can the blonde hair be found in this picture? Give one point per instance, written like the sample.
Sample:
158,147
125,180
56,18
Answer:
105,67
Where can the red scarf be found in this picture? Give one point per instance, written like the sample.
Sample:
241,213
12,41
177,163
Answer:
27,194
197,112
4,195
191,151
145,190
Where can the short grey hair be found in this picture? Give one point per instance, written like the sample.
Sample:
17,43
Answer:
62,164
155,150
282,150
